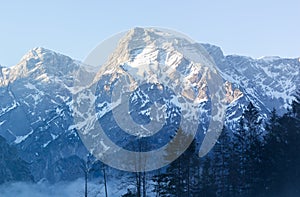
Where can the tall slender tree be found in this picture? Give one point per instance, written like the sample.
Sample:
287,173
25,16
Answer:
238,163
221,162
273,155
247,150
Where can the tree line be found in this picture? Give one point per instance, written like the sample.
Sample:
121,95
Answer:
255,159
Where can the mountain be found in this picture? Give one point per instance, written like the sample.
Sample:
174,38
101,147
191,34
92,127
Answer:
13,168
269,81
35,110
37,95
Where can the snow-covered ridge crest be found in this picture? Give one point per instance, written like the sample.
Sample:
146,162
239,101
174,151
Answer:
155,55
40,64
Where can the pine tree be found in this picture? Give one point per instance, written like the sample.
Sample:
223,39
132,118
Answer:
191,169
234,172
291,123
175,185
254,149
247,150
177,171
273,154
238,163
181,177
222,155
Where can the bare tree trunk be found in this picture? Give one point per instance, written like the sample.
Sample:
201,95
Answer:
104,177
144,184
85,183
138,184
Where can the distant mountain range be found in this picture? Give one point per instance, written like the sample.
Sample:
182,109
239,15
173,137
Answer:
36,95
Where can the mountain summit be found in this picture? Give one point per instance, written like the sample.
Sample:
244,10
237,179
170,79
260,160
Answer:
39,64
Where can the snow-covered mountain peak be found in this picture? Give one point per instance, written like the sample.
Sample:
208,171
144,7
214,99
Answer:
154,56
37,52
40,64
148,46
46,59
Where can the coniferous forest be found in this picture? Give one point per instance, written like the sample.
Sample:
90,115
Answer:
255,159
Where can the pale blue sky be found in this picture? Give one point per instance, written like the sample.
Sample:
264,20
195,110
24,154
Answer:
254,28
